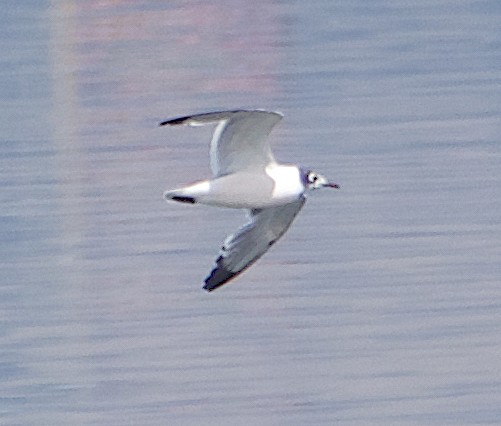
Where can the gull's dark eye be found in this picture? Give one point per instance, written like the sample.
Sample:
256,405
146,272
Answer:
312,177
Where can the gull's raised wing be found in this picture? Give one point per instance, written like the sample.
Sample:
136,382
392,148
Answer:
239,140
251,241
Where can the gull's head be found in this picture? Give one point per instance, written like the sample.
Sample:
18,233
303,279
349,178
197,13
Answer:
313,180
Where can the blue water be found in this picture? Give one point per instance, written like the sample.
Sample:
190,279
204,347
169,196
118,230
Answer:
381,305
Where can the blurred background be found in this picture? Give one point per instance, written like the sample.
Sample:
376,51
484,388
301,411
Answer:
381,305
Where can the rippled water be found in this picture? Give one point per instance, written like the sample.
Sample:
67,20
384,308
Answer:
381,305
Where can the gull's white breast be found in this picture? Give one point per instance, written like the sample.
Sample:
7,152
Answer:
288,185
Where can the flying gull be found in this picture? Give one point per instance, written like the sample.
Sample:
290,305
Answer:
246,176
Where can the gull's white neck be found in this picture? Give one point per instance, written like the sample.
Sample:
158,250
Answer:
288,183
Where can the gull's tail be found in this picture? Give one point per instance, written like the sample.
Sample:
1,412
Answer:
180,196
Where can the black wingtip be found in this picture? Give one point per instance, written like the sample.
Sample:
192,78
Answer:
164,123
208,289
174,121
218,277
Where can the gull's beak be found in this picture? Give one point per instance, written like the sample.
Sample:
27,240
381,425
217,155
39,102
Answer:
331,185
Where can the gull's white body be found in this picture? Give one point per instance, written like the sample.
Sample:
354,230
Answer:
246,176
281,184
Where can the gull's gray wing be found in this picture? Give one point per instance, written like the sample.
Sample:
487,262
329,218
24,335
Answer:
251,241
239,140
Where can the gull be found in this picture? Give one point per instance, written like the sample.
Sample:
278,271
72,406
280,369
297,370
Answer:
246,176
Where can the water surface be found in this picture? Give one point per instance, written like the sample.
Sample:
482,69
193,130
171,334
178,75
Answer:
381,305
